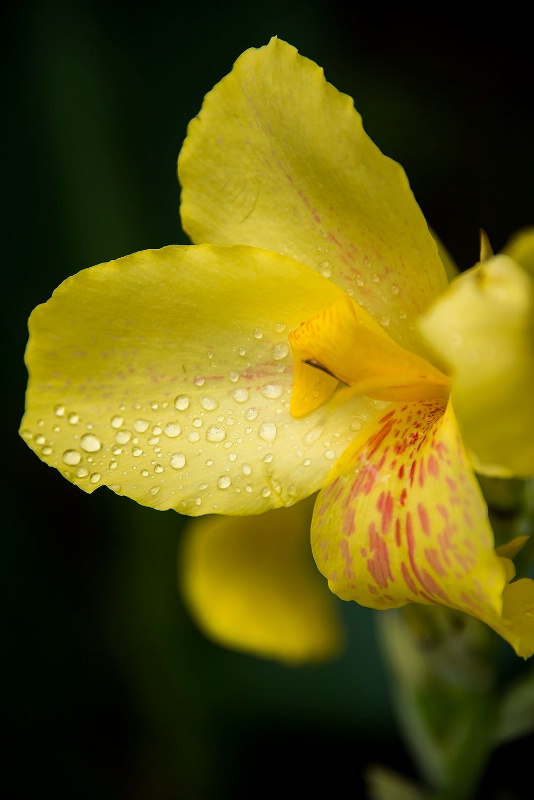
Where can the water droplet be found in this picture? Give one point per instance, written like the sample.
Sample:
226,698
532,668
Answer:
248,430
137,451
113,464
153,440
313,435
208,403
154,406
82,472
325,268
193,437
232,456
279,351
158,468
330,454
307,462
145,473
258,333
375,277
116,422
141,425
123,437
177,460
224,482
71,457
246,469
242,351
40,439
215,433
267,431
251,413
292,490
209,462
199,380
90,443
59,411
268,458
154,490
95,477
266,492
279,327
240,395
73,419
172,429
233,376
26,434
115,487
156,430
181,402
202,487
272,390
394,288
46,450
385,322
197,422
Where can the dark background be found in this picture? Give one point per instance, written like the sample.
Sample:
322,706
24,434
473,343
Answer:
109,691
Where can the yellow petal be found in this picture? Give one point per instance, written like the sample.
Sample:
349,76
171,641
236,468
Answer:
344,340
517,622
277,158
167,375
520,247
250,584
482,328
404,520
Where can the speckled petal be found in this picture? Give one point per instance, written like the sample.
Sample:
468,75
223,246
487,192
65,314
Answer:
250,584
403,519
166,375
482,329
277,158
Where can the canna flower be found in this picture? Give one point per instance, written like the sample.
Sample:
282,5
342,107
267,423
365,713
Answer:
307,341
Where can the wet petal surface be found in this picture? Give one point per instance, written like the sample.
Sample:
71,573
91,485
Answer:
167,375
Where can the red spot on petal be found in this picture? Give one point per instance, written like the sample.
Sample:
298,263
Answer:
424,519
433,466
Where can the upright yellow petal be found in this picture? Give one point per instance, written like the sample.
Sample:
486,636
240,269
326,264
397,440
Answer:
277,158
403,519
166,375
482,329
520,247
250,584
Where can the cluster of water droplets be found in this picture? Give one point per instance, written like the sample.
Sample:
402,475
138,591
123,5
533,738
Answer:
227,431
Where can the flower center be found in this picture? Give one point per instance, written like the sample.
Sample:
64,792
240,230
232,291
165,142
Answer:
343,344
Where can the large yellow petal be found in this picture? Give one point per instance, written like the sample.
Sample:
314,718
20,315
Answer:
482,329
250,584
404,520
166,375
277,158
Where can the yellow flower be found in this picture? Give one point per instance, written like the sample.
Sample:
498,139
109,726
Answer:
306,341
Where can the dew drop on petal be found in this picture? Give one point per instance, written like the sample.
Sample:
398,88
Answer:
246,469
251,413
177,460
181,402
215,433
172,429
325,268
73,419
59,411
193,437
95,477
141,425
224,482
154,490
279,351
272,390
258,333
240,395
71,458
123,437
208,403
267,431
266,492
137,451
82,472
90,443
116,422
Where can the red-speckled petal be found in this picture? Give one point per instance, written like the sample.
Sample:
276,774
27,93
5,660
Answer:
403,519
